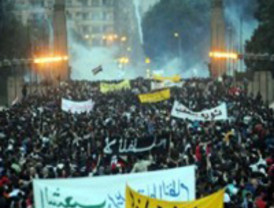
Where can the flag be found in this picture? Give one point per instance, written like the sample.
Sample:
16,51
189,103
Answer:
97,70
15,101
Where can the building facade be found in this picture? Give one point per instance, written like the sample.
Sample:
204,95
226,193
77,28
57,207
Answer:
92,19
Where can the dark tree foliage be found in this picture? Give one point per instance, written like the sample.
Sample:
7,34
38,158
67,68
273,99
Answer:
262,40
191,19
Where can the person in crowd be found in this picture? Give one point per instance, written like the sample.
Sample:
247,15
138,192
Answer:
39,140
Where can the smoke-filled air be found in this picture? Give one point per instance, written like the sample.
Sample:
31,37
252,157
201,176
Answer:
178,44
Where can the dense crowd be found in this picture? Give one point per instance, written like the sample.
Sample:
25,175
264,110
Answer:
39,140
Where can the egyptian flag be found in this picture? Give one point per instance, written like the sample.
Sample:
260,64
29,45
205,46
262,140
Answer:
97,70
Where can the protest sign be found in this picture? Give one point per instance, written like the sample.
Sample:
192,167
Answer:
217,113
77,106
109,191
135,199
155,96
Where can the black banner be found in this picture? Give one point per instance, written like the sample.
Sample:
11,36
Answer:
135,146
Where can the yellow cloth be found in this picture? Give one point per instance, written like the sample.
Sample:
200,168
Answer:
155,96
135,199
106,87
227,135
175,78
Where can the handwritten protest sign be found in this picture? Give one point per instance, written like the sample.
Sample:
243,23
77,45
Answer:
128,146
110,87
217,113
109,191
135,199
175,78
77,106
155,96
164,84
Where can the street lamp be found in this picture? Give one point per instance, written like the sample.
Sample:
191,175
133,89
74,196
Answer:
177,36
123,39
148,61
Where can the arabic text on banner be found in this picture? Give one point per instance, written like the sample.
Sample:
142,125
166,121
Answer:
109,87
155,96
217,113
77,107
135,199
131,146
175,78
165,84
96,192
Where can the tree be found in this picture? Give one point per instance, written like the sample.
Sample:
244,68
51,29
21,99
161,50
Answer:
190,19
262,40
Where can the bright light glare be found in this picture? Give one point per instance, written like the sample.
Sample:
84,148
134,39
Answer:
223,55
44,60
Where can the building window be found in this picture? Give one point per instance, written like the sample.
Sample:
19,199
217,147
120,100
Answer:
107,2
96,29
69,2
84,2
85,16
108,29
85,29
95,3
107,16
96,15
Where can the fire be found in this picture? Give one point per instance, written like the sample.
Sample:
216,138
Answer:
53,59
223,55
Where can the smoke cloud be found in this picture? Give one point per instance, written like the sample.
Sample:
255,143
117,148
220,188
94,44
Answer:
195,53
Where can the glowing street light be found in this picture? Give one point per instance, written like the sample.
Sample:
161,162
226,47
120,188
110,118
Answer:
176,35
52,59
147,61
223,55
123,60
123,38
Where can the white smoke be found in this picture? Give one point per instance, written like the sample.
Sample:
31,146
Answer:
139,20
85,58
241,22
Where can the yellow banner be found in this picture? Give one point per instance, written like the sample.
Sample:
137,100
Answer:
106,87
155,96
175,78
135,199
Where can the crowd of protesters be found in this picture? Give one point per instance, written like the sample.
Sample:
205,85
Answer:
39,140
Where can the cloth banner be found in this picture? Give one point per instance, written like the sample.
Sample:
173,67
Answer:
109,191
106,87
217,113
77,107
175,78
165,84
271,106
155,96
129,146
135,199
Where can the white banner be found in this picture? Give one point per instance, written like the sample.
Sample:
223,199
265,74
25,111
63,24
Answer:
109,191
217,113
165,84
77,107
271,106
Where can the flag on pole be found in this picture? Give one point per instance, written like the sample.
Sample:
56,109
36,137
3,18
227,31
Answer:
97,70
